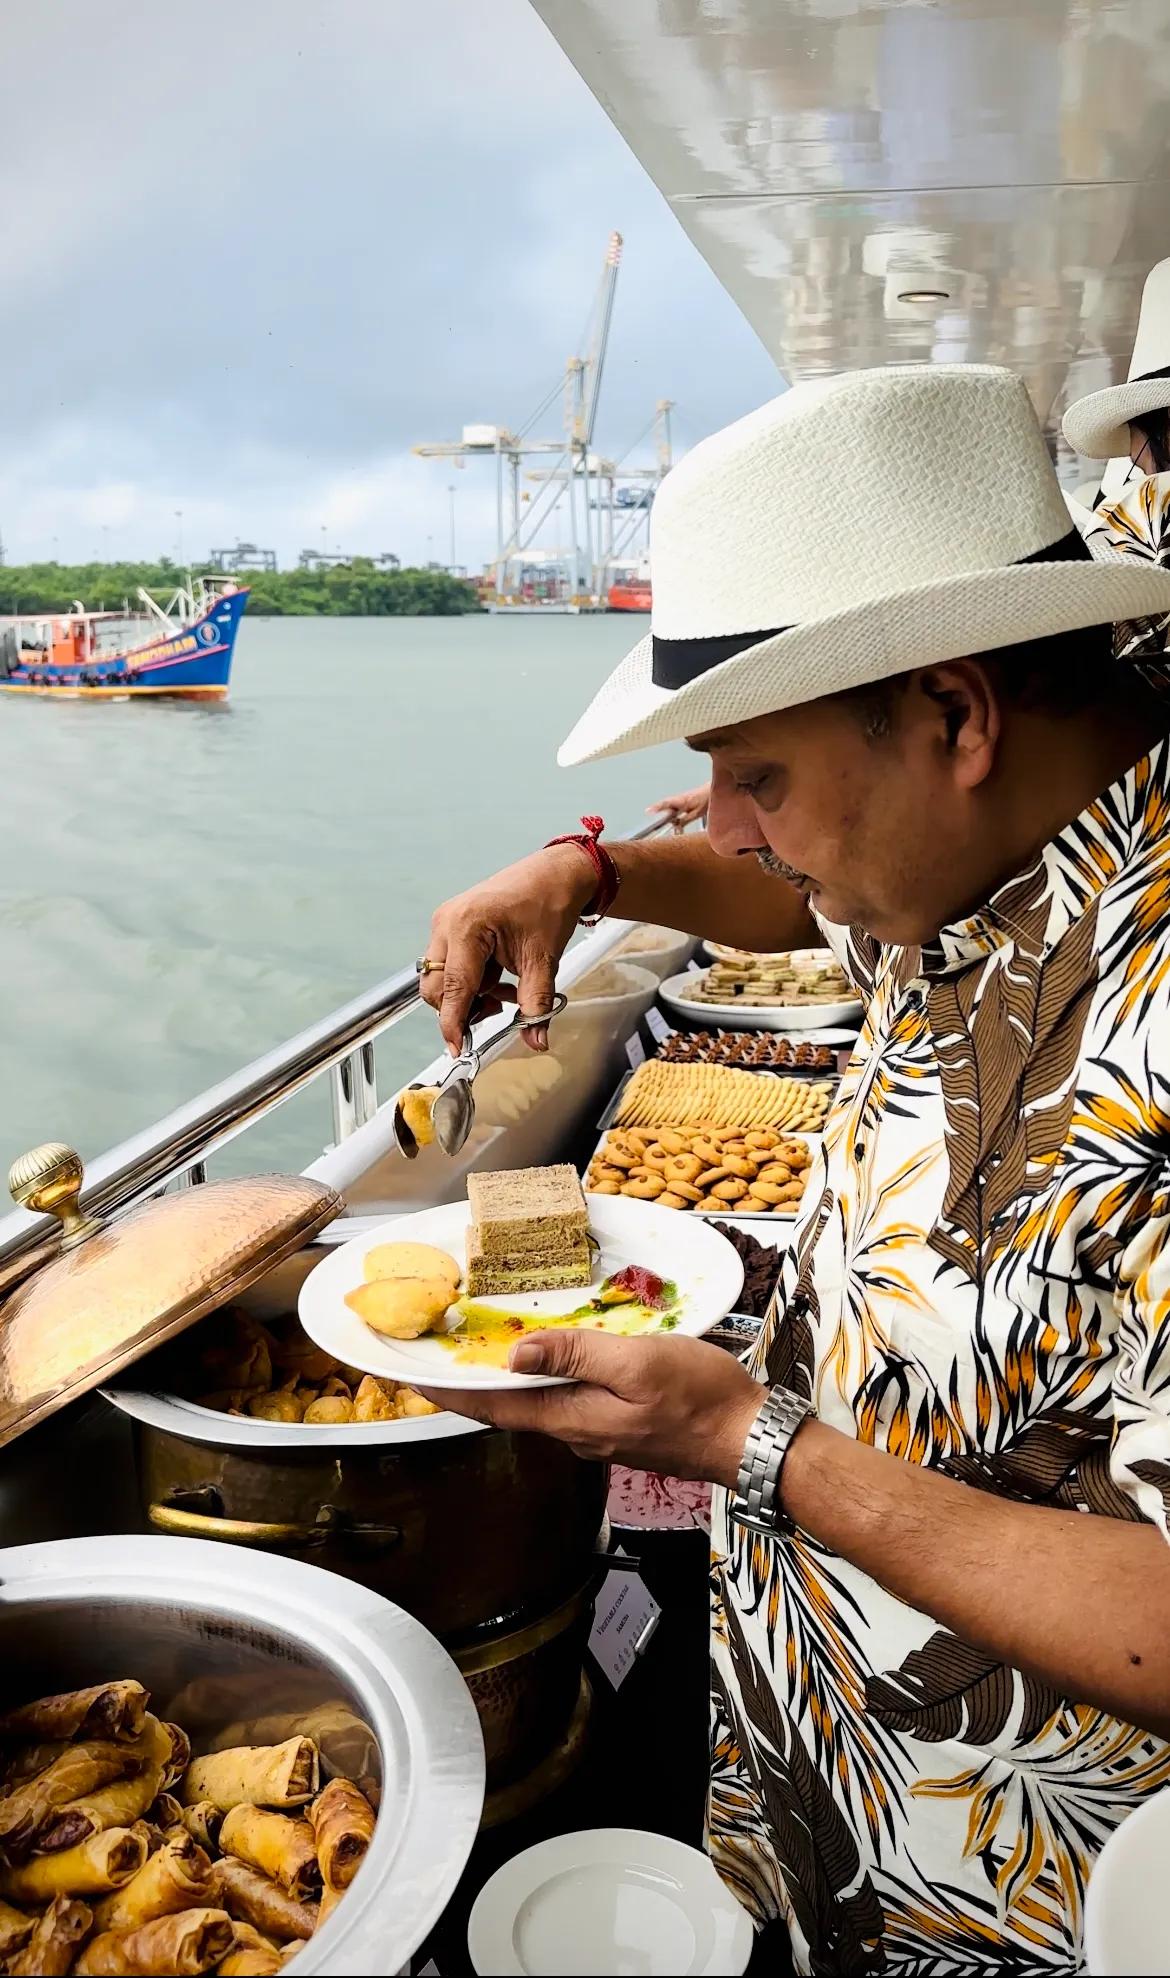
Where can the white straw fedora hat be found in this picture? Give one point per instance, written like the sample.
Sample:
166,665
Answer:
1098,426
855,528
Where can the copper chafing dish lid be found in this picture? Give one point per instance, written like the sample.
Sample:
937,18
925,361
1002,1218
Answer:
115,1290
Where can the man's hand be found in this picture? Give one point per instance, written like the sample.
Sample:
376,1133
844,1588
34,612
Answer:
521,922
676,1406
688,807
518,923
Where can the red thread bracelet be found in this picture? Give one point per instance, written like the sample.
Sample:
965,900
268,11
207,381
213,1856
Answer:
608,876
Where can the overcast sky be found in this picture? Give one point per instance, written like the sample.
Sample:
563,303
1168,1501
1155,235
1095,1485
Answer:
253,253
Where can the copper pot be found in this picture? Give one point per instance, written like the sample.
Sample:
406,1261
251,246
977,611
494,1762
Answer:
463,1532
487,1538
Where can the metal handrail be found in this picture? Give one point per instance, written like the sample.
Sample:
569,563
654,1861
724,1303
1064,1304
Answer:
184,1138
204,1124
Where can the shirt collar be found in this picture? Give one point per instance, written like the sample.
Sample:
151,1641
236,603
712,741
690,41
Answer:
1036,908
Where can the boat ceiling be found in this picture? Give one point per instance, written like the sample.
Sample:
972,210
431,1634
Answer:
830,159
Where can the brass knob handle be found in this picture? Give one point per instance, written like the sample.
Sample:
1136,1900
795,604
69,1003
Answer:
48,1181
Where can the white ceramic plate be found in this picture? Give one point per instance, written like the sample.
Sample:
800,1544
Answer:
704,1265
177,1416
738,1015
614,1900
1125,1908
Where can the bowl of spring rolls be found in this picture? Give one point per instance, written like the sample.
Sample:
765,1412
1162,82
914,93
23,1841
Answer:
207,1759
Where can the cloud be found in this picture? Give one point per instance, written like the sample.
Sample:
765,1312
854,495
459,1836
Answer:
111,504
253,255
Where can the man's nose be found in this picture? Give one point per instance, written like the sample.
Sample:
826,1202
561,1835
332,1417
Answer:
732,825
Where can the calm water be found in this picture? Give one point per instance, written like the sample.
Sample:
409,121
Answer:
181,887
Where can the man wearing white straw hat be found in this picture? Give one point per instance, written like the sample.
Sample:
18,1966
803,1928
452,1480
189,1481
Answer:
1133,421
941,1578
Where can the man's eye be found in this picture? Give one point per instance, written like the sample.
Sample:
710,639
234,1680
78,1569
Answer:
749,787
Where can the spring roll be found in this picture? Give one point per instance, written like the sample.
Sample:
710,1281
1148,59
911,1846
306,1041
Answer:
30,1807
29,1761
107,1710
180,1755
203,1823
15,1930
116,1805
154,1837
52,1945
103,1862
252,1955
256,1900
179,1946
342,1821
26,1760
165,1812
328,1904
251,1962
247,1937
346,1745
179,1876
257,1775
276,1845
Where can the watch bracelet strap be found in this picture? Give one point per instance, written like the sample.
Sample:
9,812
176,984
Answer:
756,1501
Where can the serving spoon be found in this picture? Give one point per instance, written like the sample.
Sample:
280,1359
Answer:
453,1107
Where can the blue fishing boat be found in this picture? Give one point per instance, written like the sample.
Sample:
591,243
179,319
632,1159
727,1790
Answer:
183,649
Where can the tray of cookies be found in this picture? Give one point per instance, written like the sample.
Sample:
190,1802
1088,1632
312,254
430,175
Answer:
703,1169
661,1093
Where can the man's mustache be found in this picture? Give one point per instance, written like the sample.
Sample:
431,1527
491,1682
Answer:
779,870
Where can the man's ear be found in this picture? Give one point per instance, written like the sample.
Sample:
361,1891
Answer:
964,712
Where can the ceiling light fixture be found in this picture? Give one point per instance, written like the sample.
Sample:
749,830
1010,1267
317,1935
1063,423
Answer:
924,295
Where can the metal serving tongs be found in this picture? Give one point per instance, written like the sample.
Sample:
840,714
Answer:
452,1109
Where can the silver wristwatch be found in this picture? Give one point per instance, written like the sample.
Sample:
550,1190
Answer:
756,1502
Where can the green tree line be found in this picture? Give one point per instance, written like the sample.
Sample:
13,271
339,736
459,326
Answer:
357,591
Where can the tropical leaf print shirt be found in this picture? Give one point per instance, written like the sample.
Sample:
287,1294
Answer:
1136,524
979,1281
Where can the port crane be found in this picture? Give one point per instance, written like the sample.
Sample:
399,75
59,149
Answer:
623,497
590,487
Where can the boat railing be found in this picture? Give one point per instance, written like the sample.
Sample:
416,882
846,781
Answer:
176,1149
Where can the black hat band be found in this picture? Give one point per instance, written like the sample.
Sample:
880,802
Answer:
676,662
